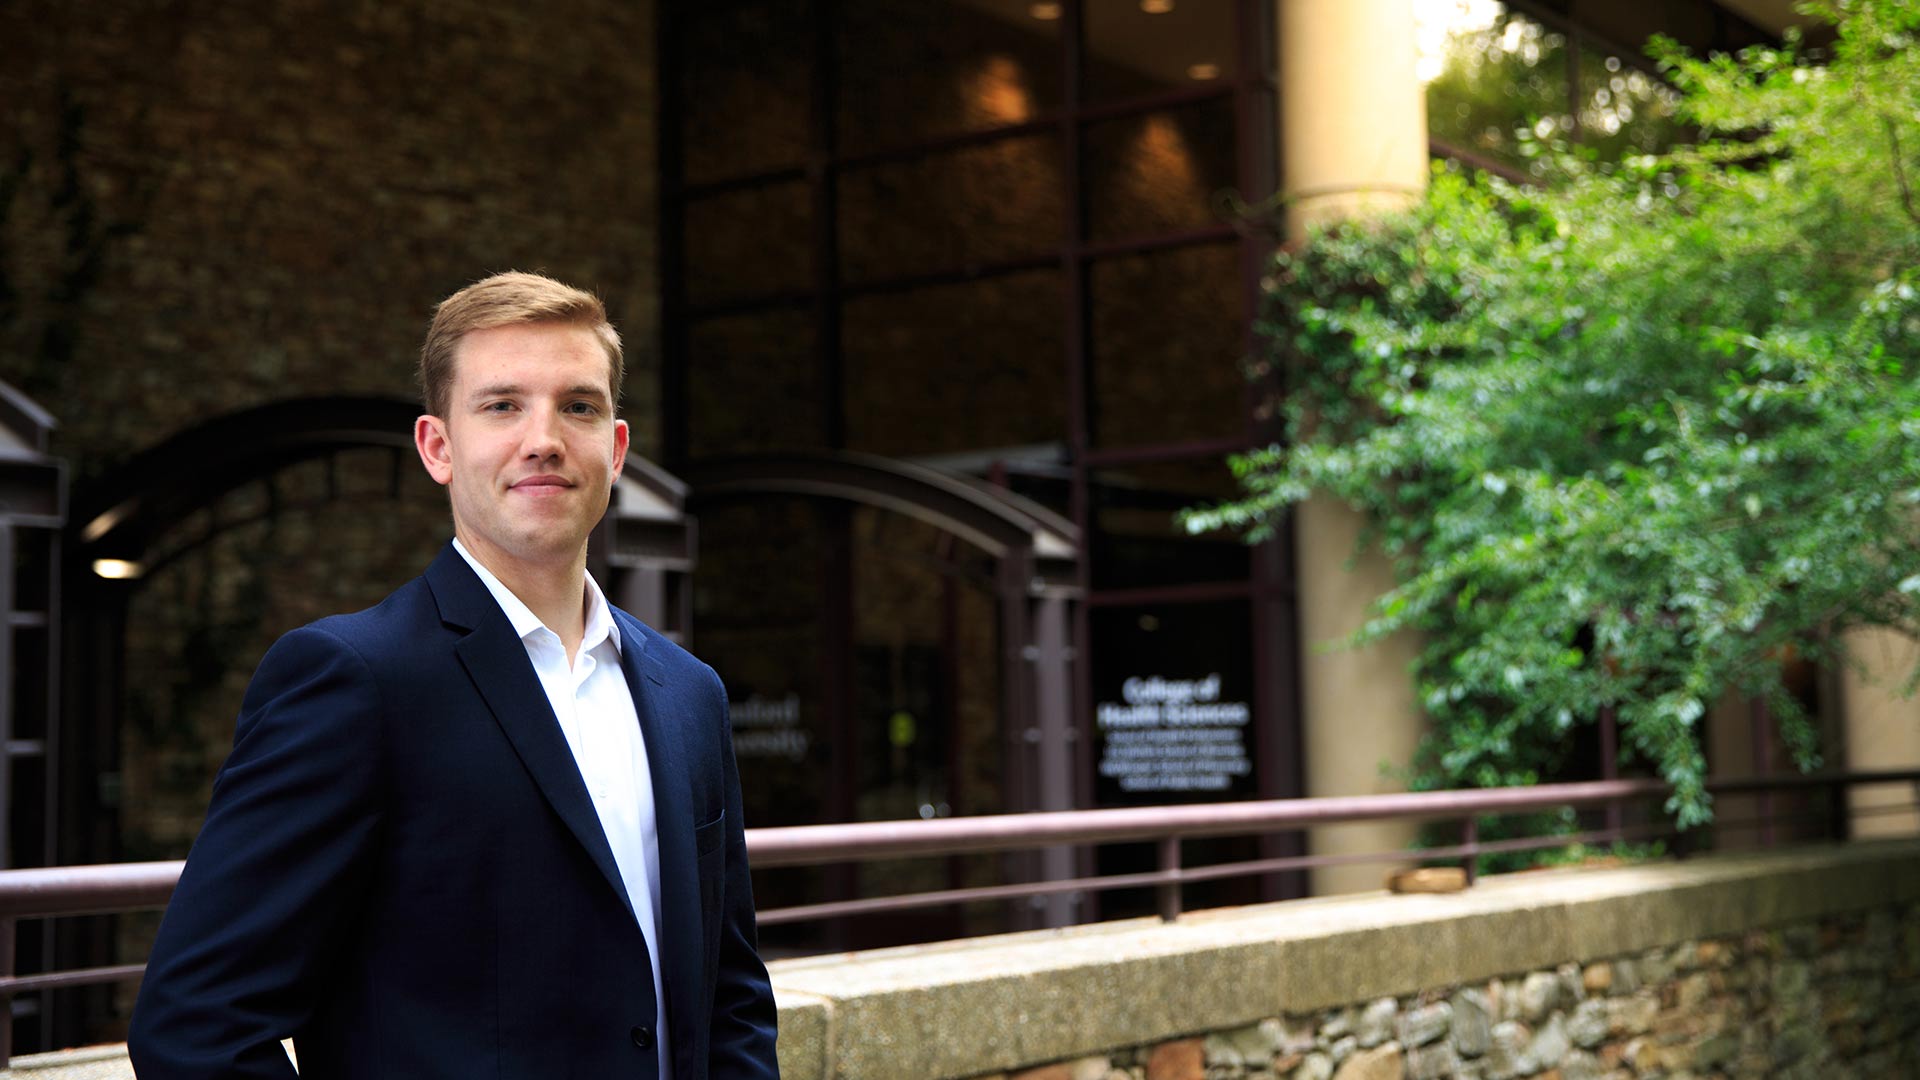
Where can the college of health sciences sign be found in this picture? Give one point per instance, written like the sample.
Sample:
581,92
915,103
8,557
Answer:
1173,735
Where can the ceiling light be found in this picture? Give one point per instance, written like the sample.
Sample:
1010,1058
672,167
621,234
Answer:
1204,72
1156,7
117,569
1045,12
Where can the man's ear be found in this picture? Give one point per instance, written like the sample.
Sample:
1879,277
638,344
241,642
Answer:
436,453
621,436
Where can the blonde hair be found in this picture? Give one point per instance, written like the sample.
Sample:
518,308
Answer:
510,299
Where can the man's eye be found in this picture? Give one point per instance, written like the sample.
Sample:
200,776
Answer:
583,408
498,406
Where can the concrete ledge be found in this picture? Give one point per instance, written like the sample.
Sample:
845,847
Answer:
963,1009
806,1032
966,1008
89,1063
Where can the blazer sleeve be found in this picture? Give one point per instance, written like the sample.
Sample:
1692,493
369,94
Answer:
275,874
745,1019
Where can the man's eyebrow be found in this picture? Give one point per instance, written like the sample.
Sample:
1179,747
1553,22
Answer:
497,390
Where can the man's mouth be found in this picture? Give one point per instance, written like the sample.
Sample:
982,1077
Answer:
535,485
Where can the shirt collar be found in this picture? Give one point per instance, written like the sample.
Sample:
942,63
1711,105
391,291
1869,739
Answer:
599,621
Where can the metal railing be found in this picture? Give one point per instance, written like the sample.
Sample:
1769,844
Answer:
125,887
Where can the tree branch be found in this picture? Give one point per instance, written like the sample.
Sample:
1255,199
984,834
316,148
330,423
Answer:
1900,170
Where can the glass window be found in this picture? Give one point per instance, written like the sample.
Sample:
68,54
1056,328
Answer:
1167,346
749,242
745,78
959,367
1199,479
197,625
753,384
1137,49
1161,172
1136,541
910,72
927,681
758,601
927,708
976,205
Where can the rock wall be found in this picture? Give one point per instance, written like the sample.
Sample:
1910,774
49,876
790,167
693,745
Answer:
1787,963
1831,998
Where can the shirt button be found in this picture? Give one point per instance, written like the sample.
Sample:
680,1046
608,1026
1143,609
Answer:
642,1037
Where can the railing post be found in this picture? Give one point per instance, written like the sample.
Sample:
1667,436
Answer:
1610,767
1470,839
1762,735
1839,823
6,1000
1169,890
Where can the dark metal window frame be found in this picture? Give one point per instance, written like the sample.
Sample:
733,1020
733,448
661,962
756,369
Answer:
1249,88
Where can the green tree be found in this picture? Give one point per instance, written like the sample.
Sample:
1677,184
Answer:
1633,437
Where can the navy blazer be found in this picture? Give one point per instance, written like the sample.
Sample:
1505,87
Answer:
401,869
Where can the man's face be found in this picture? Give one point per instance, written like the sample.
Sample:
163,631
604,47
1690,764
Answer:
529,448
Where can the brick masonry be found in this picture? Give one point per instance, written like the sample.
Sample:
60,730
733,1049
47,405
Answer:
207,206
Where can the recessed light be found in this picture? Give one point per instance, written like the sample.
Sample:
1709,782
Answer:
1204,72
117,569
1156,7
1045,12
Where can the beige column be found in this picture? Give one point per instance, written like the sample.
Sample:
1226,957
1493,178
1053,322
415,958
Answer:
1882,728
1353,139
1353,115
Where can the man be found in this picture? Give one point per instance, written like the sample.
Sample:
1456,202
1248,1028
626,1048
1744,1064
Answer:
490,827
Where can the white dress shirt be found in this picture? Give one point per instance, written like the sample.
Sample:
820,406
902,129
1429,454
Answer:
594,706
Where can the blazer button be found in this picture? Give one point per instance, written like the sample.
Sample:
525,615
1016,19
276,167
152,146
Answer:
642,1037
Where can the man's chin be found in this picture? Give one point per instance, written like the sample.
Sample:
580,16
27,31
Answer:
536,547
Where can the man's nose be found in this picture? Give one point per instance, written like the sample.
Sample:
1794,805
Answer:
543,434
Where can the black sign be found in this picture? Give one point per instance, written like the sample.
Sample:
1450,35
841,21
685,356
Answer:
1169,729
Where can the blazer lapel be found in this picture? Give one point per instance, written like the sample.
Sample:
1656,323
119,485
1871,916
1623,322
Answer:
668,760
497,662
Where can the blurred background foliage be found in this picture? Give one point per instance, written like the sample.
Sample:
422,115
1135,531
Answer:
1635,437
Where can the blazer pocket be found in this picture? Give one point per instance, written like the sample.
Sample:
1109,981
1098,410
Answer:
710,836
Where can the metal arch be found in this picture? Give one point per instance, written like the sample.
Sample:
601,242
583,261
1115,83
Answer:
992,519
138,502
1038,554
22,420
132,507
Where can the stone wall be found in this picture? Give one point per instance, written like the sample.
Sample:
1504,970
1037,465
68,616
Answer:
206,206
1833,997
1799,963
